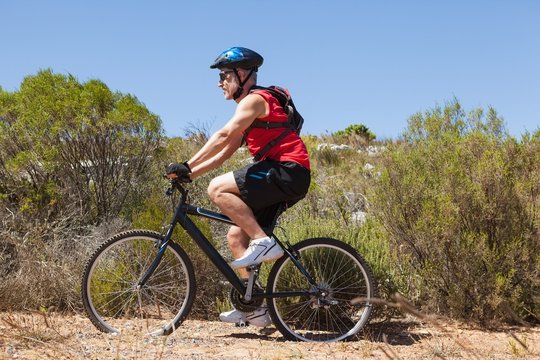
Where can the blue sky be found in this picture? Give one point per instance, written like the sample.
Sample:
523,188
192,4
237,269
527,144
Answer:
345,62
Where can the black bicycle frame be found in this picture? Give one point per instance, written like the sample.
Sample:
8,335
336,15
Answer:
180,216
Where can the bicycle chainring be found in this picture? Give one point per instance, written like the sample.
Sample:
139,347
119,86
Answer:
239,303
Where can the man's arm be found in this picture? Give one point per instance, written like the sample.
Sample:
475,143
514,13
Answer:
218,159
249,108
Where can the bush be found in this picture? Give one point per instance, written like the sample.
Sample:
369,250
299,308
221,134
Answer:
359,133
67,146
459,197
74,157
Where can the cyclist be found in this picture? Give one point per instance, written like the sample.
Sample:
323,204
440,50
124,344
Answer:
249,196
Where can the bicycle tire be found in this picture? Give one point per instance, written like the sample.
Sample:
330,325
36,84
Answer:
109,285
341,274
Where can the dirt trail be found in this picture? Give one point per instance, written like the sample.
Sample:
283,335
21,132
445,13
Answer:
34,336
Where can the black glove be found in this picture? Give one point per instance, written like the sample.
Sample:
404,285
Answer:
181,170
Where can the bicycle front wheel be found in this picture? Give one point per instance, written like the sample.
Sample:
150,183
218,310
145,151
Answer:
336,307
110,292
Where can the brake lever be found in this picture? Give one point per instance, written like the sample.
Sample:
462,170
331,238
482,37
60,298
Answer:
170,189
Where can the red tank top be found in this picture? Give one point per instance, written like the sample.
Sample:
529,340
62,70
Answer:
290,148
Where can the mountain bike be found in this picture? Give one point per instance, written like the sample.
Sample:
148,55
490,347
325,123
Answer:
143,281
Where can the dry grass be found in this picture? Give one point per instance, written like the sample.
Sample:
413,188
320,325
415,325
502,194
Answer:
45,262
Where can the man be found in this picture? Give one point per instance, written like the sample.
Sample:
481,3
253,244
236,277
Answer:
249,195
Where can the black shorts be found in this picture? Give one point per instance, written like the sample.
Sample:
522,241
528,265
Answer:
266,184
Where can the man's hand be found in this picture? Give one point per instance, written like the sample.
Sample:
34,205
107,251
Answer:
180,171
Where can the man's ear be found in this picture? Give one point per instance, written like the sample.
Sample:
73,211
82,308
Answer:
242,74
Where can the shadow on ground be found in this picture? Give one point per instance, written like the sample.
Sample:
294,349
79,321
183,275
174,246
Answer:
396,333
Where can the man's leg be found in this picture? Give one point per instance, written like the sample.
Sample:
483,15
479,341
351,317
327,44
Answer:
238,242
224,192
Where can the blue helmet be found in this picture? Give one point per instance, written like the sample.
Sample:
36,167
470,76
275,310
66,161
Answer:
238,57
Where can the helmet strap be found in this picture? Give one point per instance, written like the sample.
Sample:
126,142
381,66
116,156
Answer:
241,84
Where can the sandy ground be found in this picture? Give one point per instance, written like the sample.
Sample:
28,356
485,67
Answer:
36,336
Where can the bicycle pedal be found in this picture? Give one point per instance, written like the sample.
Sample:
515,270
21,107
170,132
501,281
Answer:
241,324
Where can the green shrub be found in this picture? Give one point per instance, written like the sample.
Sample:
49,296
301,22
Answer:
73,158
67,147
356,133
460,197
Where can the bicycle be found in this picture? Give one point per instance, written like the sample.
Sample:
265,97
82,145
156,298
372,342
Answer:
141,280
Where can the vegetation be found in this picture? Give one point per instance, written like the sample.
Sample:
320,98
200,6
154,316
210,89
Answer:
75,158
460,198
448,215
355,134
68,146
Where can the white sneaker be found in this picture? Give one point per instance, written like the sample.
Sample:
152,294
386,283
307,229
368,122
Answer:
259,250
259,317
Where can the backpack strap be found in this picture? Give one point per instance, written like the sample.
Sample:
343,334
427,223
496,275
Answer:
284,100
269,124
258,156
278,92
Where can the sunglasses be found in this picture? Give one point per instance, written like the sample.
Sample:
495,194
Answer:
223,75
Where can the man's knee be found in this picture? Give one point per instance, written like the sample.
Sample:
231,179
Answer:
223,184
213,189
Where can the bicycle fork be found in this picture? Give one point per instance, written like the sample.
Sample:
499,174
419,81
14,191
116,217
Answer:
162,245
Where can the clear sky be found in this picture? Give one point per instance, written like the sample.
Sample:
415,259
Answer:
345,62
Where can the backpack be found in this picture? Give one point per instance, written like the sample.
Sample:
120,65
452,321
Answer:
294,119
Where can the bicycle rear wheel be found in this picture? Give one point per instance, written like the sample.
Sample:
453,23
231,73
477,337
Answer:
109,286
328,313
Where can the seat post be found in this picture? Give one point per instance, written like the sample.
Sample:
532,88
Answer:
280,210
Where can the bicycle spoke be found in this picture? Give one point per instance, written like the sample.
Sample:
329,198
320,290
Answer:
299,310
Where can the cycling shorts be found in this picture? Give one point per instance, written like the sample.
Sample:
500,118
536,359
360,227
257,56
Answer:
265,184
